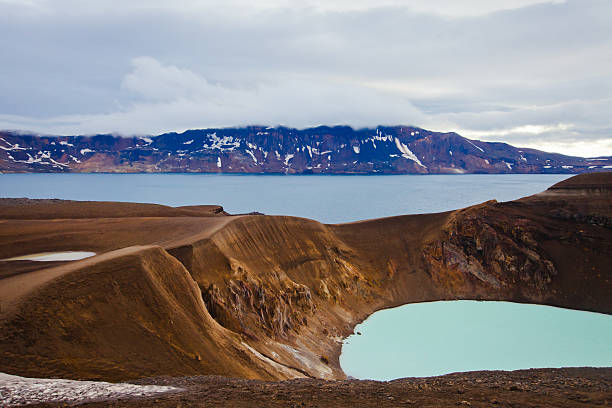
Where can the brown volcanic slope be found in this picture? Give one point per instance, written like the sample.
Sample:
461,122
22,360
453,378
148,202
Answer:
191,291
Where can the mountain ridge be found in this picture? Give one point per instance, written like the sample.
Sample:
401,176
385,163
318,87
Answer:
284,150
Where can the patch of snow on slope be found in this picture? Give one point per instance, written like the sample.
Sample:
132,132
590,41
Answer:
188,142
225,143
147,140
47,155
356,149
287,158
268,360
381,137
475,145
83,151
15,390
37,159
219,162
310,360
11,146
406,152
252,155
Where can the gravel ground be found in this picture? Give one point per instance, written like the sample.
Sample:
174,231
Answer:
569,387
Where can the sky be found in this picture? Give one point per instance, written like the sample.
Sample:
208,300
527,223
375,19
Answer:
533,73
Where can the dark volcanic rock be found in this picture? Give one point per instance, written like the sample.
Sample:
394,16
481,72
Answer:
320,150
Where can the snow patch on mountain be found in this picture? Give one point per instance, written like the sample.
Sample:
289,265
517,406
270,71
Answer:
252,155
479,148
406,152
287,158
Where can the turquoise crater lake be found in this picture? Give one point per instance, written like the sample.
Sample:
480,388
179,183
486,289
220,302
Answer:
435,338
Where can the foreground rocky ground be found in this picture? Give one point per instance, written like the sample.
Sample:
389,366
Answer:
568,387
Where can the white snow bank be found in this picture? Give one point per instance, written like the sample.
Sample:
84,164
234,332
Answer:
53,256
479,148
406,152
287,158
16,390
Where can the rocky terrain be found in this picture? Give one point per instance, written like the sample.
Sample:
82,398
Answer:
191,291
567,387
319,150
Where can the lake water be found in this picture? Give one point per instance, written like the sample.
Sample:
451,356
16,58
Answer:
413,340
435,338
330,199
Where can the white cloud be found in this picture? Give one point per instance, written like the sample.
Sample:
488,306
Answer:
449,8
595,148
172,98
154,81
526,129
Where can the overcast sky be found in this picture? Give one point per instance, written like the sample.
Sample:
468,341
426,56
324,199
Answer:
534,73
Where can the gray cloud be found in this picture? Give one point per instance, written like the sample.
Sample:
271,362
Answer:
532,73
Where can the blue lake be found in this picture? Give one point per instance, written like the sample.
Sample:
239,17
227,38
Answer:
413,340
426,339
330,199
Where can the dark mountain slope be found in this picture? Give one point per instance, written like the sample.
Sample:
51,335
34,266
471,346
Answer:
319,150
